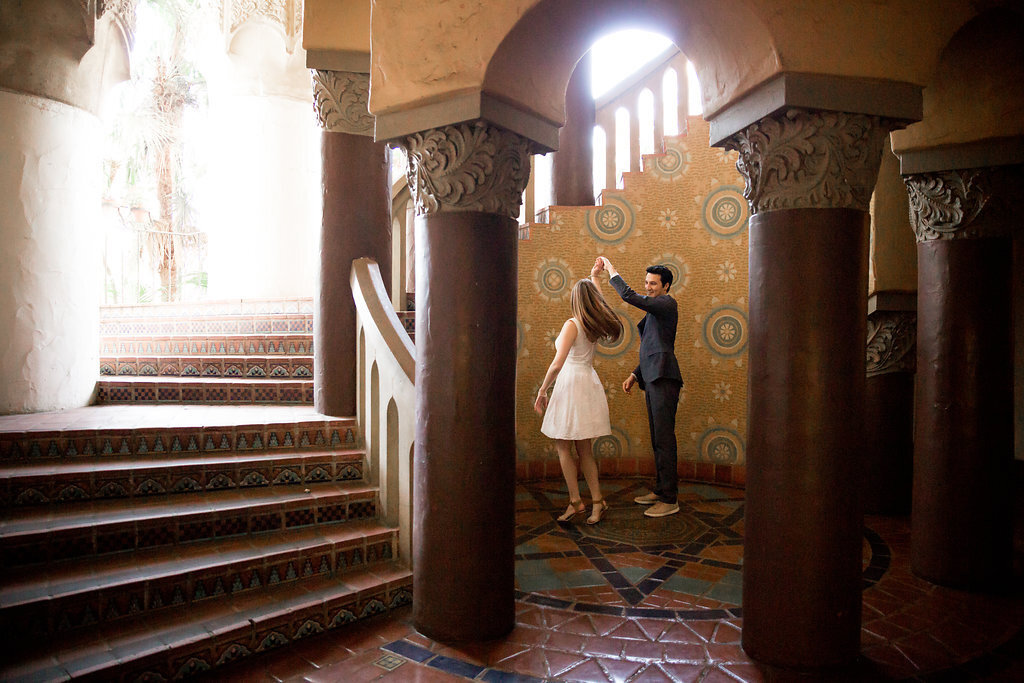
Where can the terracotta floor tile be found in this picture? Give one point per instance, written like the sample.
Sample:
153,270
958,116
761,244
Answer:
532,663
586,672
566,642
748,673
722,653
418,673
685,652
652,673
629,630
684,673
643,650
559,662
619,669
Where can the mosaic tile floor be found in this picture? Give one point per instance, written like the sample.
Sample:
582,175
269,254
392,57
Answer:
635,599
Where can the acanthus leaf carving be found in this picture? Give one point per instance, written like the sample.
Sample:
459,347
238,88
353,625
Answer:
802,158
891,345
468,167
946,205
340,100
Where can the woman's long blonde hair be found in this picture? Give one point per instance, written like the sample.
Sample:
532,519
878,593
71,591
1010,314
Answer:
597,317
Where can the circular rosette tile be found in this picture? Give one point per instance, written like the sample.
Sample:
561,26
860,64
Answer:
725,212
678,266
724,332
612,222
553,279
671,165
625,341
721,446
612,445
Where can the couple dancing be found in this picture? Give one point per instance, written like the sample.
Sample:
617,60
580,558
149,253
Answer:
578,410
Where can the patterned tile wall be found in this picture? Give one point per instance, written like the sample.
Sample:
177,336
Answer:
687,211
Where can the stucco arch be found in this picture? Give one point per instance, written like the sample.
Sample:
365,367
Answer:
729,45
975,93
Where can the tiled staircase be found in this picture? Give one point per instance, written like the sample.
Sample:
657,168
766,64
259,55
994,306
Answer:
233,352
151,542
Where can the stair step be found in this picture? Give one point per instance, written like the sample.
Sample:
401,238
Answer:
175,643
267,324
151,430
208,345
31,535
51,480
207,308
204,390
242,367
41,601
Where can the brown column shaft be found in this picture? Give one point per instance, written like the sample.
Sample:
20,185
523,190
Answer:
961,522
573,163
464,463
889,443
802,547
356,223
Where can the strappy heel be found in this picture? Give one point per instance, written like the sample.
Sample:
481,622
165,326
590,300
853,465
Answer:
575,508
599,512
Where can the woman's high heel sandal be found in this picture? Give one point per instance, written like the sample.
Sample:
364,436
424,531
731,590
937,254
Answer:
575,508
599,507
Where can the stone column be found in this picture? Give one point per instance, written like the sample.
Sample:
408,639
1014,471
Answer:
57,61
809,179
356,224
467,182
963,441
889,414
573,164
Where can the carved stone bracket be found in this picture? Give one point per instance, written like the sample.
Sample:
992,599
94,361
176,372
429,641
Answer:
799,158
340,100
951,204
892,338
468,167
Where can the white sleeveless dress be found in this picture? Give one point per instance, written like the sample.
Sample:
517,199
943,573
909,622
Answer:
578,408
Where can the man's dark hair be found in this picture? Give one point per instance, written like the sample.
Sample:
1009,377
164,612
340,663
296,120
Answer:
664,273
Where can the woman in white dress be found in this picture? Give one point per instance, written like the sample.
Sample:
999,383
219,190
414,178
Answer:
578,409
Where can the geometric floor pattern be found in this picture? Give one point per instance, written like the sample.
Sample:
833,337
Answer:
638,599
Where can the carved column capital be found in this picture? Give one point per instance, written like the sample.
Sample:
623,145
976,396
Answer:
963,203
286,15
800,159
892,339
468,167
341,101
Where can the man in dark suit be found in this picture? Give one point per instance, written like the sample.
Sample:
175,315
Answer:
658,377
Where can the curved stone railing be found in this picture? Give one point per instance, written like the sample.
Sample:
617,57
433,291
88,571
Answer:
386,403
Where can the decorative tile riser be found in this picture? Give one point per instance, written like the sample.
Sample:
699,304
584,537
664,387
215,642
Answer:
182,529
188,661
154,442
291,345
184,327
253,391
45,489
59,616
300,367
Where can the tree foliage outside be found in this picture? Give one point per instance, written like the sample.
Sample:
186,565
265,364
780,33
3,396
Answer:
150,170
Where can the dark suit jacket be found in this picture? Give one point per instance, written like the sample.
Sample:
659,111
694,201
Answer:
657,334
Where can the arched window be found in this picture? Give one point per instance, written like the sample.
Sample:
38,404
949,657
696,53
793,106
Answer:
621,144
600,160
670,101
645,112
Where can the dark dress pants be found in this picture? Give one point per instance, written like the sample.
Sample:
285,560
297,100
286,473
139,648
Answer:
662,397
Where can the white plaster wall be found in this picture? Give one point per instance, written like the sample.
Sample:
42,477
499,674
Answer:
50,263
262,206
